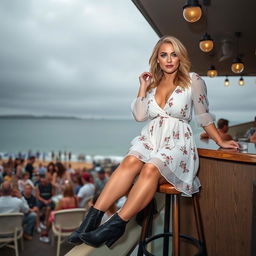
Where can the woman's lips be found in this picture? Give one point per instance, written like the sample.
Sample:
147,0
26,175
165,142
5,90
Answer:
169,66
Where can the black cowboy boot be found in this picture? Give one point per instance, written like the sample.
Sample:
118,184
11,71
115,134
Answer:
91,222
107,233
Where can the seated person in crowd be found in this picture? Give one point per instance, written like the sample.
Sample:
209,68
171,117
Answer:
253,137
68,201
32,203
12,201
100,180
60,178
44,193
23,181
222,126
77,181
87,190
8,174
251,130
19,171
29,166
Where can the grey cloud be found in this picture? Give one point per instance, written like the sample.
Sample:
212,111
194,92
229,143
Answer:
82,58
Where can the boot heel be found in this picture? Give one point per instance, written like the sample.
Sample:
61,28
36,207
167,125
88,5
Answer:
110,242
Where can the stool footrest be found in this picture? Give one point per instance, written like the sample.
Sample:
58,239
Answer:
193,241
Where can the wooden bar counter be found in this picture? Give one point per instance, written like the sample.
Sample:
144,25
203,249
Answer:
226,200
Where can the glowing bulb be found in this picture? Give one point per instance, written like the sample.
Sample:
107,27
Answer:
192,11
206,43
226,82
206,46
241,81
237,66
212,72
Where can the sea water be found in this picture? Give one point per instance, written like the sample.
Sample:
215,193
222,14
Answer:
80,136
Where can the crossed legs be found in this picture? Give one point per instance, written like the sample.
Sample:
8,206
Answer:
121,182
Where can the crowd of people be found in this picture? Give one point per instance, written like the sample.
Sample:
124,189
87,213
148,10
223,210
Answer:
39,191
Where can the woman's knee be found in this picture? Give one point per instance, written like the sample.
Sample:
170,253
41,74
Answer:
131,161
150,170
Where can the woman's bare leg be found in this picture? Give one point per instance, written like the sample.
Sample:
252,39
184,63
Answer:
142,192
119,183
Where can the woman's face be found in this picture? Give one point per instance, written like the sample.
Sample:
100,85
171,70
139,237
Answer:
167,58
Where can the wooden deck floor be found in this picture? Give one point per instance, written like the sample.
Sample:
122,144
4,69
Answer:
36,248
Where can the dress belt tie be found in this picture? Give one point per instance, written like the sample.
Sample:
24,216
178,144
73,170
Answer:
181,120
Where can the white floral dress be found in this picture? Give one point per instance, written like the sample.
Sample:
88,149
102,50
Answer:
167,140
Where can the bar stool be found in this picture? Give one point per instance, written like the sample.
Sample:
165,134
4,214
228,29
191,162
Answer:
171,201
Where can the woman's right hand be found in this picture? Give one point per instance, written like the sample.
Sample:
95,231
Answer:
145,79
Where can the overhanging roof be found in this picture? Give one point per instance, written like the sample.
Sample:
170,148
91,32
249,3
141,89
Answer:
224,19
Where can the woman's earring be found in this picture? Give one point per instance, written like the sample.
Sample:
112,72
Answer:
158,61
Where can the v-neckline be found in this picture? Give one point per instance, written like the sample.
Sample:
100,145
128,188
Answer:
167,99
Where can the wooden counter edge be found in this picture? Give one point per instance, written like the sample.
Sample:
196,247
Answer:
227,155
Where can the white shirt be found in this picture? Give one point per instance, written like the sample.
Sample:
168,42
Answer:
86,191
10,204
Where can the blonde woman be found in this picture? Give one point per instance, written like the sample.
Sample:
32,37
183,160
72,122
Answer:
165,151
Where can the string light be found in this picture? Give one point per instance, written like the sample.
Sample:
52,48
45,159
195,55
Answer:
226,82
212,72
192,11
241,81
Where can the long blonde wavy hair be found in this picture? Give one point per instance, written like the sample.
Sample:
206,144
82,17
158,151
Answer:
182,78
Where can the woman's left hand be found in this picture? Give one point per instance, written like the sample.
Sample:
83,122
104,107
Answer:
229,144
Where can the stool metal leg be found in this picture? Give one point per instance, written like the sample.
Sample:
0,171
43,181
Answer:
148,211
175,226
167,223
199,223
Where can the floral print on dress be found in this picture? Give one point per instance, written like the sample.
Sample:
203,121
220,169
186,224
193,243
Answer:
167,159
149,101
184,150
197,77
193,149
142,138
161,121
187,135
176,135
189,188
183,166
167,139
170,102
189,131
178,91
184,110
151,130
202,99
146,146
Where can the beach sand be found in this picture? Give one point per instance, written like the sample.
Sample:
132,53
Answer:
74,165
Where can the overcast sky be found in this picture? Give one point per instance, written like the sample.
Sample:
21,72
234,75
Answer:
83,58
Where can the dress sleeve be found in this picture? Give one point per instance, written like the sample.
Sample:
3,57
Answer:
200,101
139,109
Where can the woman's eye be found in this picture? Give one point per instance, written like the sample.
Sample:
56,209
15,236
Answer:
163,55
174,54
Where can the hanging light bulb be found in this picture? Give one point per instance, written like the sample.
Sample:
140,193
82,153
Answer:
192,11
237,65
212,72
241,81
206,43
226,82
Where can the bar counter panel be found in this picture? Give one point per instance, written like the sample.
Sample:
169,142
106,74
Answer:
226,201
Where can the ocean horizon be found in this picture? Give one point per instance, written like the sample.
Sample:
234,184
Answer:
104,137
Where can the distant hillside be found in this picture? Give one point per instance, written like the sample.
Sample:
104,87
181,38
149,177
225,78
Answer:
36,117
